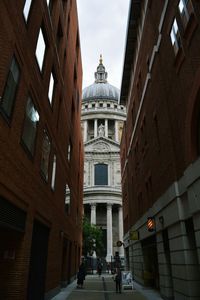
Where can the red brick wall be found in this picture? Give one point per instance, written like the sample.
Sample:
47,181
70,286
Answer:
164,133
20,178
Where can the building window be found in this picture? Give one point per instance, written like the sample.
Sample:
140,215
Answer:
175,37
67,199
46,148
26,10
51,88
40,49
101,174
30,126
69,152
53,176
183,9
7,101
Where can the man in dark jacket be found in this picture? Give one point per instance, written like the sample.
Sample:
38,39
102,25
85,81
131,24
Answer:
118,280
81,275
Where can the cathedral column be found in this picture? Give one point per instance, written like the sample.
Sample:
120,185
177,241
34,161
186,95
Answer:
116,131
121,230
95,128
85,130
93,214
106,127
109,233
93,221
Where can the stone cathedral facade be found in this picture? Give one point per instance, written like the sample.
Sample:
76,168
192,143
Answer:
102,123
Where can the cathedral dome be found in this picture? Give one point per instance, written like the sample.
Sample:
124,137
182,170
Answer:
101,89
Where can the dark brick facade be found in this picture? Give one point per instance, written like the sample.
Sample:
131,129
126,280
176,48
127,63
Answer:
160,147
165,134
23,189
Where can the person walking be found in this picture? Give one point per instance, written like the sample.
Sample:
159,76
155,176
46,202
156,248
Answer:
99,267
118,280
81,275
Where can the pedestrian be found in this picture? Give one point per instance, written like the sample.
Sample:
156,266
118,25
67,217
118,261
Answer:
99,267
108,268
81,275
118,280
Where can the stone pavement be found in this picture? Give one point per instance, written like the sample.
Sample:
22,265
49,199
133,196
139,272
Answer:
103,288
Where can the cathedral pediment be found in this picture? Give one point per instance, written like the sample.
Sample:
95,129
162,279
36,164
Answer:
101,144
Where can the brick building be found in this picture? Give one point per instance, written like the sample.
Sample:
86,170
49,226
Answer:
41,150
160,148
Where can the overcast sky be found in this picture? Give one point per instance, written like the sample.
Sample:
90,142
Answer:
102,25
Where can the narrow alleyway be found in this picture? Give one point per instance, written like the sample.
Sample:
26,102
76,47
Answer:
103,288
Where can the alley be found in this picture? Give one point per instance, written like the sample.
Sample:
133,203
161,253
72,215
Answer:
103,288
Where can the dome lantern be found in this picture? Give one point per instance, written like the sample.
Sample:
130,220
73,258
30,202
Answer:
101,74
101,89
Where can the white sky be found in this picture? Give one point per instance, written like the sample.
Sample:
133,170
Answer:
102,25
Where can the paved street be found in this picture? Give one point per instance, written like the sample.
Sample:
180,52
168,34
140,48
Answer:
103,288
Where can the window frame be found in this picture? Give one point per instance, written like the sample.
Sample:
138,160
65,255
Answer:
175,36
69,195
97,179
51,90
26,17
53,173
41,31
185,11
5,113
23,142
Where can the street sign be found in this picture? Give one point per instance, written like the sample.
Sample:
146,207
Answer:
127,280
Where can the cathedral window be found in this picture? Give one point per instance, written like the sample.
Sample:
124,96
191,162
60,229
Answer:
101,174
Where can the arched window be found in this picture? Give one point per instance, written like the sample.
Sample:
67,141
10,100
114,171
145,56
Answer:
101,174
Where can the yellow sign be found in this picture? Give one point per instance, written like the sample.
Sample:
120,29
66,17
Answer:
134,235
